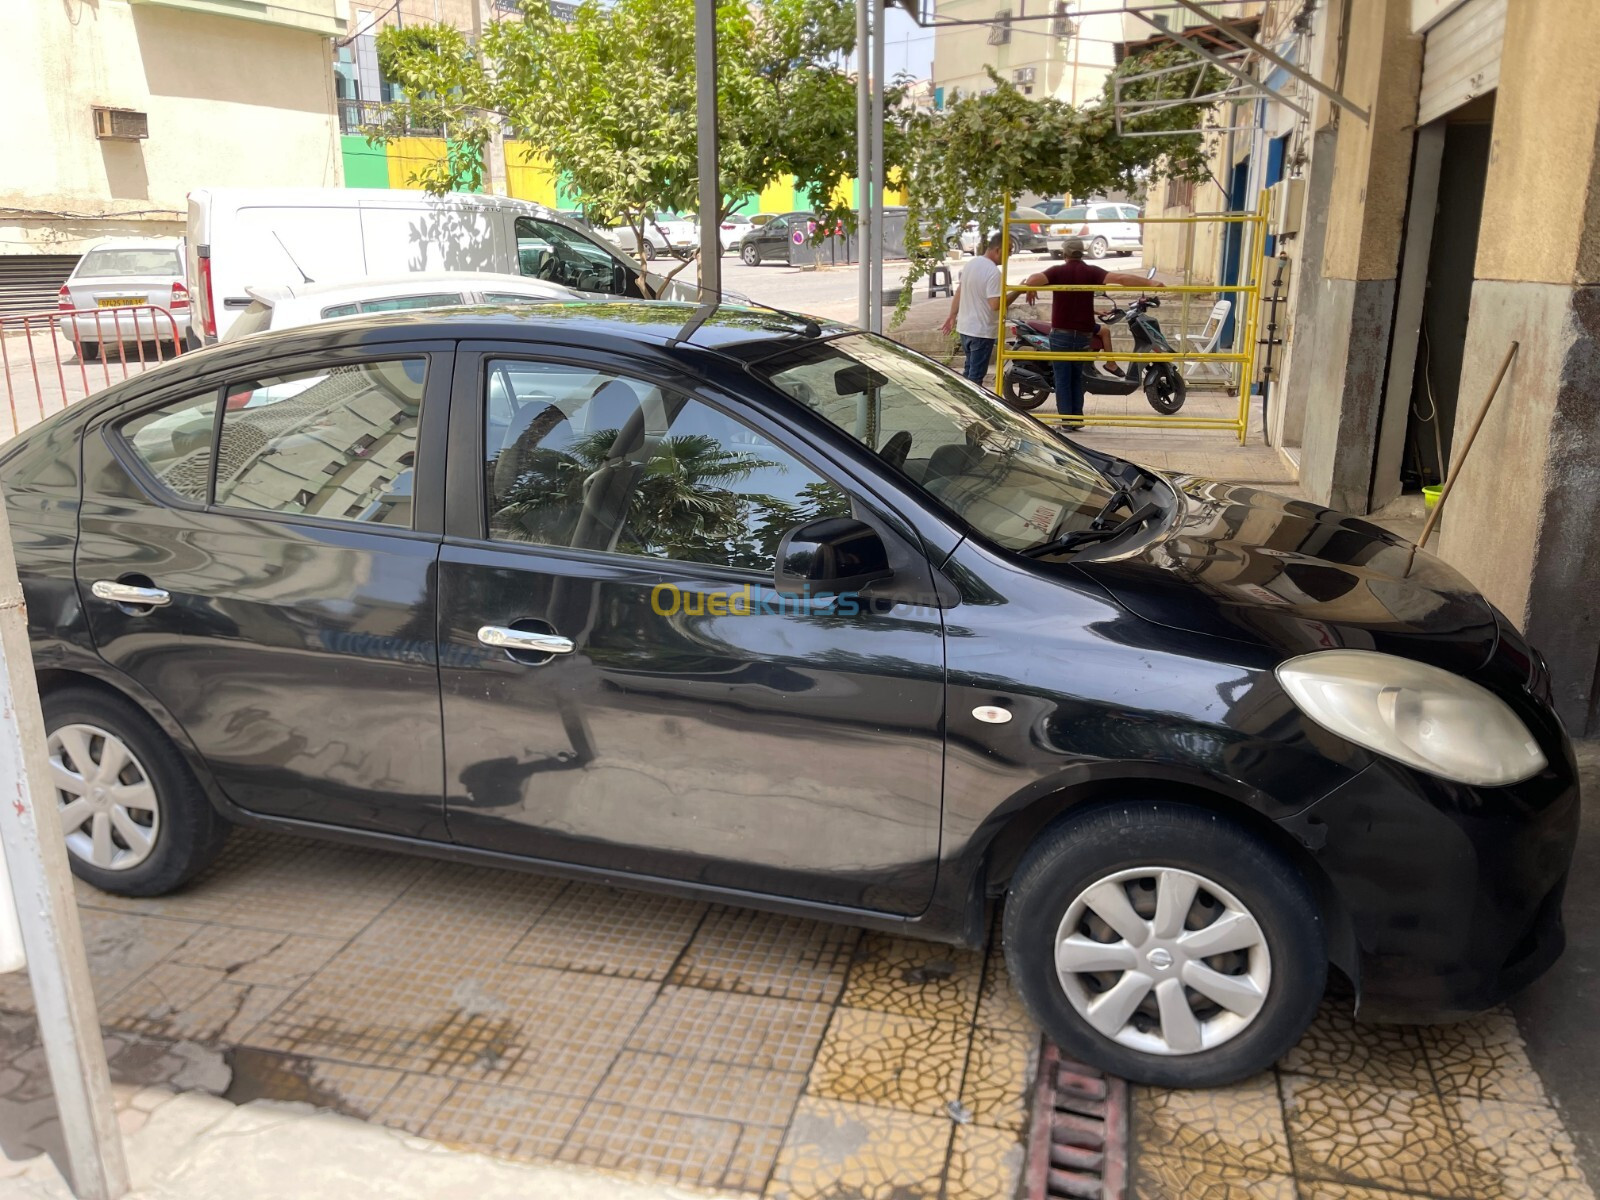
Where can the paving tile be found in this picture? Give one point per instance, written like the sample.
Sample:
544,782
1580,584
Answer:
226,948
359,1091
507,1122
473,916
1362,1134
702,1088
1484,1057
1320,1189
665,1146
904,1063
914,978
610,932
834,1150
984,1163
413,1101
1154,1177
1522,1148
166,1001
753,1158
753,1031
999,1006
1338,1047
765,954
1239,1127
1001,1070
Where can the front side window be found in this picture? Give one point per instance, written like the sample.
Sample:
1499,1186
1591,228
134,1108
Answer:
582,458
552,252
174,444
1005,474
338,443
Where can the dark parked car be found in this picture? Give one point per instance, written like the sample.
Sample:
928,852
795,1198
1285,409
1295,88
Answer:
779,613
770,242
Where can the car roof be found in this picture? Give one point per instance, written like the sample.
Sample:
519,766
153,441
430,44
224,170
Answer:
379,285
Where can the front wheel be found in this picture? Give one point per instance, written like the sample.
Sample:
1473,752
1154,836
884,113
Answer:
1165,389
1164,944
750,256
1021,390
135,820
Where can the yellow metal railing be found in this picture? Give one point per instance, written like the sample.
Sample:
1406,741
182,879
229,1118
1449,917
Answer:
1247,316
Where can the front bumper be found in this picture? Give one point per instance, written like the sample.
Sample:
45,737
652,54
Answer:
1449,896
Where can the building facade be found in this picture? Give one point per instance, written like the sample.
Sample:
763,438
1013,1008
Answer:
1063,55
117,109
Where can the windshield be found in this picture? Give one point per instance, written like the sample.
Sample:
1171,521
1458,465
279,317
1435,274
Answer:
1007,475
104,263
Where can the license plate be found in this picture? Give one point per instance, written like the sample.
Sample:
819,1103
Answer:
121,301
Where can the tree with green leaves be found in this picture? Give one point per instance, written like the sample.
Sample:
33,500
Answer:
963,161
609,98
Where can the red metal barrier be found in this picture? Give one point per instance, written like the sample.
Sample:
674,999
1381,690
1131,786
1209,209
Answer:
46,367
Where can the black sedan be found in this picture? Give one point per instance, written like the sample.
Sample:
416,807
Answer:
747,607
771,242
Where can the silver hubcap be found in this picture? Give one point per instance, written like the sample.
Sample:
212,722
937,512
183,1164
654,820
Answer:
1163,961
109,811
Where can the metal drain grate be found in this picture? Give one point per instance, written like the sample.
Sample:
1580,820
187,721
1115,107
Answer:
1078,1149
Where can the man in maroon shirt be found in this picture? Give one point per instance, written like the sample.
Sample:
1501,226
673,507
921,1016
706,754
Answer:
1072,323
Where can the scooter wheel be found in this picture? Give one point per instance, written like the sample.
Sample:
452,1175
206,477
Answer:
1166,391
1022,394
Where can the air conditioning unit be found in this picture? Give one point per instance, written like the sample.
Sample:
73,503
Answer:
120,124
1023,75
1286,201
1000,31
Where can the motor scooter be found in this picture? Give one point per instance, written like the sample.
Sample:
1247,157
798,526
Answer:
1028,382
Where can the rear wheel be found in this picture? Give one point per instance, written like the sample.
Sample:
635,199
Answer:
135,820
88,351
649,251
1165,389
1021,390
1098,247
750,256
1164,944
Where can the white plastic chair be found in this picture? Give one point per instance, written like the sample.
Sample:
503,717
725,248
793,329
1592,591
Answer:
1205,342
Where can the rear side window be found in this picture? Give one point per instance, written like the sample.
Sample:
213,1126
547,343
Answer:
400,303
1076,213
174,444
338,443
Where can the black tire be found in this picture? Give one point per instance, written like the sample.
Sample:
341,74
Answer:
1080,852
190,832
1022,393
1165,389
88,351
750,256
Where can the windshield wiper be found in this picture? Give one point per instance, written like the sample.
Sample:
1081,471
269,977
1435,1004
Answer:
1098,530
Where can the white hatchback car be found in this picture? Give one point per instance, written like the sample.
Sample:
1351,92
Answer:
282,306
1105,227
138,274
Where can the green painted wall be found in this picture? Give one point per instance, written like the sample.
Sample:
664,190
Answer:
364,166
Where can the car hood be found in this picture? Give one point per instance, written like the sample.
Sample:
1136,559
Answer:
1252,566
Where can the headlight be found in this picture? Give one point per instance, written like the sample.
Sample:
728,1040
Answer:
1426,717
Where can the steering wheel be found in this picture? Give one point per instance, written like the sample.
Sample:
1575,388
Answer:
896,449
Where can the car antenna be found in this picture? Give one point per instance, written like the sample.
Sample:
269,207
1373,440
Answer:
304,278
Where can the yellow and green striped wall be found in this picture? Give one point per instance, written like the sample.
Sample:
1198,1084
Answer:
531,176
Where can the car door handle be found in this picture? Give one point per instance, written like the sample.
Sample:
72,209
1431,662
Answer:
127,593
522,639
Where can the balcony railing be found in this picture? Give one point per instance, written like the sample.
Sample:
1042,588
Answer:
359,116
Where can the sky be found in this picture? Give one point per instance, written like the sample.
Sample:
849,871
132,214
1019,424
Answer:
907,48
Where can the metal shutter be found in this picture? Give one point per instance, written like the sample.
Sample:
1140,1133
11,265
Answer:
31,283
1461,58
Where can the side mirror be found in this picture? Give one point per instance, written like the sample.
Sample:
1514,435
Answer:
830,555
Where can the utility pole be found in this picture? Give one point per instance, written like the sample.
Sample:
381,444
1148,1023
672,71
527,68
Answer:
41,882
876,266
863,170
705,95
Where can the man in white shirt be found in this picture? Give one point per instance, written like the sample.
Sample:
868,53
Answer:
973,308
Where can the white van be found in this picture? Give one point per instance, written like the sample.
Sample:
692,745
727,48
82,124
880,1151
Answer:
256,237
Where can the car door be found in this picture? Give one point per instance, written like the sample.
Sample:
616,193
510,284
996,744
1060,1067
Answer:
257,553
662,719
772,239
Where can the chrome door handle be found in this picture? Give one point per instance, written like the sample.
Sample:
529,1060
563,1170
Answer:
127,593
522,639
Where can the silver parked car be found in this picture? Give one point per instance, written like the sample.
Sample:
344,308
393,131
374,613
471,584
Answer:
282,306
125,273
1105,227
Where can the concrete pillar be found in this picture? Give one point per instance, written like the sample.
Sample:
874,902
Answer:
1521,523
1354,297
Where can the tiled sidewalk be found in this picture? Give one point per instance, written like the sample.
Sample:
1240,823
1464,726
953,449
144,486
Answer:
542,1020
